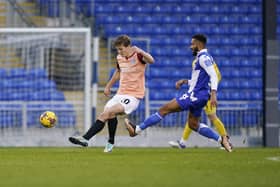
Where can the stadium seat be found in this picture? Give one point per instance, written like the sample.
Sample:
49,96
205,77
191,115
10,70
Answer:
229,119
250,119
3,73
37,73
47,95
17,72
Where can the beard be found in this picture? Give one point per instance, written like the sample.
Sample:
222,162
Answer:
195,51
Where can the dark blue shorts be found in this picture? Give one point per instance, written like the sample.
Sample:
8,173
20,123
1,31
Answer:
193,103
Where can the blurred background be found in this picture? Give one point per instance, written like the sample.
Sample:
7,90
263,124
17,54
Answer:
58,55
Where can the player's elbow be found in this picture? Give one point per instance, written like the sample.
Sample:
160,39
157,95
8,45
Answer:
152,60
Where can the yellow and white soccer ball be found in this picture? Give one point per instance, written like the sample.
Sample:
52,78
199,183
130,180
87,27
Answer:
48,119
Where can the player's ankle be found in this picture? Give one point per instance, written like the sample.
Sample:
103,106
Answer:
138,130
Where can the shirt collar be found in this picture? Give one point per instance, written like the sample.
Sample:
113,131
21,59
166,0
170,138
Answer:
201,51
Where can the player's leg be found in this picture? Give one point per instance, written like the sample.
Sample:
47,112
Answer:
171,106
111,109
201,128
130,104
112,127
99,124
219,125
211,114
206,131
186,132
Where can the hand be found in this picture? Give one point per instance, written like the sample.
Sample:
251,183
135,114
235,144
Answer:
137,49
107,91
213,99
180,82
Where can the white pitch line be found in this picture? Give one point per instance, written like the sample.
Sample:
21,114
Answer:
274,158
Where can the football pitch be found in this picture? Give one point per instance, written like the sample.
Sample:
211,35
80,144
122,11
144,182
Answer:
139,167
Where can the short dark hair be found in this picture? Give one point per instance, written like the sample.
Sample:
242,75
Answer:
122,40
200,37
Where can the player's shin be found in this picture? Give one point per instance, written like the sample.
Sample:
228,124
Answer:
186,133
150,121
219,126
94,129
112,127
204,130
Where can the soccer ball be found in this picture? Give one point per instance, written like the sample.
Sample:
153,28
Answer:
48,119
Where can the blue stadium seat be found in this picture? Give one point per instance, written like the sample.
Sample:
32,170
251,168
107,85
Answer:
37,73
229,119
17,73
161,84
44,84
163,94
47,95
256,51
251,18
3,73
250,119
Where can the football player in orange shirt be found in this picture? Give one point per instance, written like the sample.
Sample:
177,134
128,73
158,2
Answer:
130,71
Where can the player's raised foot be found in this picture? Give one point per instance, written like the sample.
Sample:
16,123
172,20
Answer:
108,148
79,140
130,127
177,144
225,143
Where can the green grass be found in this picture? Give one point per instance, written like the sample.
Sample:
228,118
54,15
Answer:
135,167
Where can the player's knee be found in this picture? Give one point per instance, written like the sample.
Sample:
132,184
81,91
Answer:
163,112
106,115
193,125
193,122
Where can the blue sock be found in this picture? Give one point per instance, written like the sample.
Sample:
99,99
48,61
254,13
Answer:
151,120
204,130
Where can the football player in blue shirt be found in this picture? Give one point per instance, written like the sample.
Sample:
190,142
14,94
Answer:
195,99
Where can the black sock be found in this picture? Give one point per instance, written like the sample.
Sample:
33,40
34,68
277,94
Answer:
94,129
112,127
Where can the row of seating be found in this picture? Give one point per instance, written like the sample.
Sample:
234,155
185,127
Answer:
27,84
181,29
178,19
225,94
214,41
174,72
230,83
22,95
222,61
175,8
33,73
227,51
